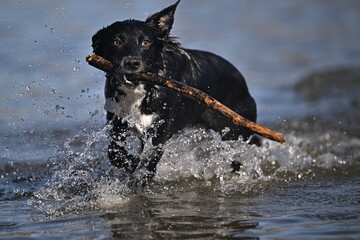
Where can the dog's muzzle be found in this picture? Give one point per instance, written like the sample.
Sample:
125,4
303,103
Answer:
129,65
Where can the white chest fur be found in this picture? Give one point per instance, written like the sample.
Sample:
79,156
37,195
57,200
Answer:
128,107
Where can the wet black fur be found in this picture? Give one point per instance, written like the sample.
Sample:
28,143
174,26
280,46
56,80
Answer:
203,70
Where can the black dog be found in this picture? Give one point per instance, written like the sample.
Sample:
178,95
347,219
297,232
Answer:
142,111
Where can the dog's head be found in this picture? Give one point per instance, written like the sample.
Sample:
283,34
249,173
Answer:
135,46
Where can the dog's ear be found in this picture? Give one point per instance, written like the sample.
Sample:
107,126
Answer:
98,42
164,19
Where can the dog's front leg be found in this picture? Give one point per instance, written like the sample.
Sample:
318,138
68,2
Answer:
119,152
150,163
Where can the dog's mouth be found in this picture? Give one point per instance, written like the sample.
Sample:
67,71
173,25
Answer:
125,81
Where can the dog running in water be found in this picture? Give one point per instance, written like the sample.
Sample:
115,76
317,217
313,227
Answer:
146,112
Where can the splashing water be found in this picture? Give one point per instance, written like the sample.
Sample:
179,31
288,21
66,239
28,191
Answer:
192,158
202,154
85,181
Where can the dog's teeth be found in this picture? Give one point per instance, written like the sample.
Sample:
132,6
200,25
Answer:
126,81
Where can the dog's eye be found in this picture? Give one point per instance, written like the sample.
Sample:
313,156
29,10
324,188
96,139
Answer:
116,42
145,43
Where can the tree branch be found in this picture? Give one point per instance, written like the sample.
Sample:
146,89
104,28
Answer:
190,92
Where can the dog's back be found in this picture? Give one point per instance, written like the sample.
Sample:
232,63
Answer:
215,76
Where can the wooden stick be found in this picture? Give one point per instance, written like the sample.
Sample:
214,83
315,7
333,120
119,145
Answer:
99,63
190,92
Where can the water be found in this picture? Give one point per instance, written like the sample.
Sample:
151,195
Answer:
301,61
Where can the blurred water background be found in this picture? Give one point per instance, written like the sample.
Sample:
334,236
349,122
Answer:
301,60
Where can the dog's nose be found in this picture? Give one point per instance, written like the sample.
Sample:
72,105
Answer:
132,63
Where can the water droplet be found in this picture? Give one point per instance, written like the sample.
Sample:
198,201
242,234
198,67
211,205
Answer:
52,92
76,69
58,107
28,89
